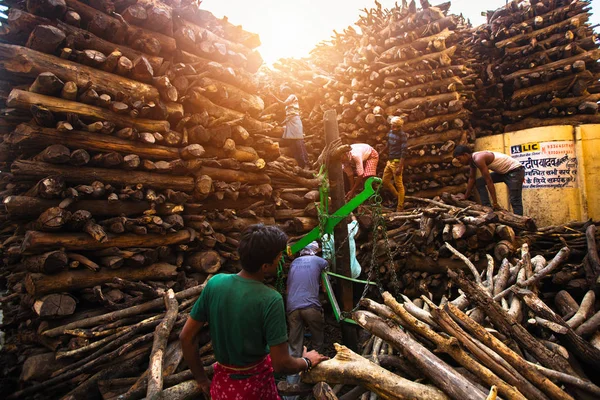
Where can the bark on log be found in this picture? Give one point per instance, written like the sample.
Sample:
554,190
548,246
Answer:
30,136
444,376
161,337
32,207
37,170
24,62
127,312
55,305
39,241
348,367
195,99
24,100
38,284
113,30
509,327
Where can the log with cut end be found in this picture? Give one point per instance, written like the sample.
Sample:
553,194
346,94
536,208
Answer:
444,376
24,62
55,305
113,30
195,99
348,367
47,263
39,284
29,136
161,337
588,56
37,170
36,242
32,207
230,96
25,100
45,38
208,262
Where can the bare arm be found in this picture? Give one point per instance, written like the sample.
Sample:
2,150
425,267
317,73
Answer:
485,173
284,363
189,345
471,183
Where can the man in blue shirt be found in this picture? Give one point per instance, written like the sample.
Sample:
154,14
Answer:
392,175
303,305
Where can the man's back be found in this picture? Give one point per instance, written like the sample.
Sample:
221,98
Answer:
303,282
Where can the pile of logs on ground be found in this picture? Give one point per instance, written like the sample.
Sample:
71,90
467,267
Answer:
496,332
537,65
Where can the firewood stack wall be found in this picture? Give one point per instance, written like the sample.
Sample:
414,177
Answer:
131,160
537,66
406,61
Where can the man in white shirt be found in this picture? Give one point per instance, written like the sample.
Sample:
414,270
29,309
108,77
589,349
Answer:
504,169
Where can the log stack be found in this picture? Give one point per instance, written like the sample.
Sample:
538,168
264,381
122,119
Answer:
538,66
406,61
132,157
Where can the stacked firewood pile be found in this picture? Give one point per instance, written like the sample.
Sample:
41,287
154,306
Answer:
131,159
406,61
502,328
537,66
421,243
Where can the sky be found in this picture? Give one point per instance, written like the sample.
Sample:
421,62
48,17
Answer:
291,28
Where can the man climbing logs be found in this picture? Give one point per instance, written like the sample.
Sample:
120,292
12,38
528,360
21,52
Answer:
504,169
359,163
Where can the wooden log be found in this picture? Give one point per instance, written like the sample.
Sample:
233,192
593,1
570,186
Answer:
575,343
39,367
32,207
588,56
195,99
127,312
38,284
536,122
24,62
358,370
534,376
55,305
47,83
228,175
39,241
207,262
84,175
29,136
24,100
45,38
113,30
483,373
575,21
443,57
161,337
509,327
47,263
427,101
230,96
435,369
555,85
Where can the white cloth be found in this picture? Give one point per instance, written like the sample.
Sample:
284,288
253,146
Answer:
502,163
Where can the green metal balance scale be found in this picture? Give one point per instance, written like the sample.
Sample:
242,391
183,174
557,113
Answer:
326,226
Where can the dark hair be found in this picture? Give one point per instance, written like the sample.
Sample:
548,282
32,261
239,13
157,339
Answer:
462,149
260,244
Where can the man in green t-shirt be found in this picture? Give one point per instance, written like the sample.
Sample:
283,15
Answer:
247,324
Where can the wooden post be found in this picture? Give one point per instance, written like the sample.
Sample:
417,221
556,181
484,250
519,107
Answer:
342,257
